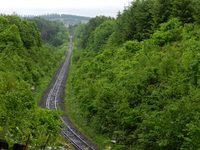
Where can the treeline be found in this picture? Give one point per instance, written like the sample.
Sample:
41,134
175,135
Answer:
143,18
52,32
64,18
135,79
26,65
67,17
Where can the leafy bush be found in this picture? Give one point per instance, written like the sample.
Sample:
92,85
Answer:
143,95
25,63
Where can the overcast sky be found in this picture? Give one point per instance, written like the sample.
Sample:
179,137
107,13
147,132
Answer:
90,8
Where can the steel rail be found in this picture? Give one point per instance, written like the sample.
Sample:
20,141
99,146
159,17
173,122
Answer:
52,102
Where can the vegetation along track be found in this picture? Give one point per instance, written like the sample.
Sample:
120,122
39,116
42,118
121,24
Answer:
54,99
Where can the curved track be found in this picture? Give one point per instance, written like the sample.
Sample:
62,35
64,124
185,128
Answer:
52,102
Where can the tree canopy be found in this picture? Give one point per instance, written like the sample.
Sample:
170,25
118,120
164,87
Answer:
25,65
136,79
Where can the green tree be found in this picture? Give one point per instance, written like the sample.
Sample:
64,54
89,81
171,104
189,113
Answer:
25,65
184,10
161,12
90,27
100,35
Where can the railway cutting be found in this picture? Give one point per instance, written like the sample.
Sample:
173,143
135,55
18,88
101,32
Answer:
54,99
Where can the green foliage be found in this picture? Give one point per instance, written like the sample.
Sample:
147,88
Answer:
11,36
52,32
168,32
90,27
196,7
135,22
24,63
143,95
29,34
132,46
184,10
161,12
137,80
100,35
143,17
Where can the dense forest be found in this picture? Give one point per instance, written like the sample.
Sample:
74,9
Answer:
27,64
52,32
134,80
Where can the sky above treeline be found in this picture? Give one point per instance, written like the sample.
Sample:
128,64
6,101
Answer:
89,8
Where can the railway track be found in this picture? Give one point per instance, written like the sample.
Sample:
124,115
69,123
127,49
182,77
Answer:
52,102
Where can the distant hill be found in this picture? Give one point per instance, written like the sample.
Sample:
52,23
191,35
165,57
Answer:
65,18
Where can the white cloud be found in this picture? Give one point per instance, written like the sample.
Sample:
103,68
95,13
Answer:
86,7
